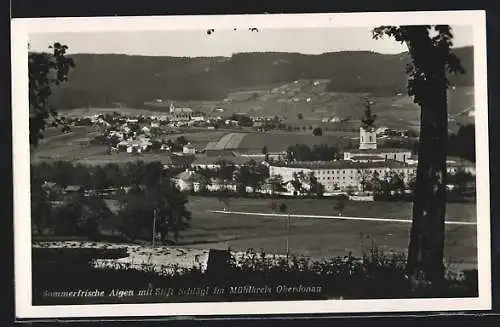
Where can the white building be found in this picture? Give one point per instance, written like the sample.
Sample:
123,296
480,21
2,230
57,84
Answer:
199,117
361,164
188,149
185,180
341,174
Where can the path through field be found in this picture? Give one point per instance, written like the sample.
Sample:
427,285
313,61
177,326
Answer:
333,217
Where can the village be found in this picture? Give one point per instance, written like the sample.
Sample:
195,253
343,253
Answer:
357,173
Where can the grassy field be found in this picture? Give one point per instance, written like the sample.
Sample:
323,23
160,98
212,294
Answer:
199,138
75,147
70,146
319,238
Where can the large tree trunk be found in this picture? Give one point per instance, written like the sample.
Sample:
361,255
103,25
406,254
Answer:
426,249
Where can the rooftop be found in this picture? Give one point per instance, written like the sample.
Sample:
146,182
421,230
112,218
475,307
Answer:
211,160
367,157
178,160
342,164
377,151
182,111
188,176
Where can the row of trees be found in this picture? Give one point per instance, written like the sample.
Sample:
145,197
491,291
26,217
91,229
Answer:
463,143
307,184
460,144
318,152
65,173
252,175
152,199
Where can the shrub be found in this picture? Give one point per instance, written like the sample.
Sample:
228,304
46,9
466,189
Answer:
374,275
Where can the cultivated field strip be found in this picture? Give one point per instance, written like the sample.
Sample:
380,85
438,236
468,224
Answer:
229,141
333,217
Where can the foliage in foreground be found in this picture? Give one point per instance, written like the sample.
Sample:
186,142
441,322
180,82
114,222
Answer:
375,275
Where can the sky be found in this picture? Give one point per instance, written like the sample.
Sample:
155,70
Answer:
196,43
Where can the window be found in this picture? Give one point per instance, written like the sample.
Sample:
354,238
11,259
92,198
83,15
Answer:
370,139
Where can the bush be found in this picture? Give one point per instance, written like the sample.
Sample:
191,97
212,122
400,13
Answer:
376,275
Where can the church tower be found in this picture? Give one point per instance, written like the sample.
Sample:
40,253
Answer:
367,138
367,134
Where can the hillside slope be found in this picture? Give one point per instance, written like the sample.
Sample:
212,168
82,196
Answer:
108,79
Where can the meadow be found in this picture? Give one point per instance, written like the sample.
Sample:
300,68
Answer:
319,238
257,245
75,147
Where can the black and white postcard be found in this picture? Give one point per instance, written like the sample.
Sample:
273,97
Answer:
251,164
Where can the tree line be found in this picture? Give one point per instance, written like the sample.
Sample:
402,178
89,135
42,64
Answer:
148,195
252,174
65,173
318,152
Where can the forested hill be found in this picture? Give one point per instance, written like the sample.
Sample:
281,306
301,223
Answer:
104,79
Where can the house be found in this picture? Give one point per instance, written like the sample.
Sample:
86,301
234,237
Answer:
198,117
188,149
213,162
259,157
73,189
290,188
217,184
185,180
177,161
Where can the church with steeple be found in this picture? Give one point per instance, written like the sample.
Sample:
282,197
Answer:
368,150
179,114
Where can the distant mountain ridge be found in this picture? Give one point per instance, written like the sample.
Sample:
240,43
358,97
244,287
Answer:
107,79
